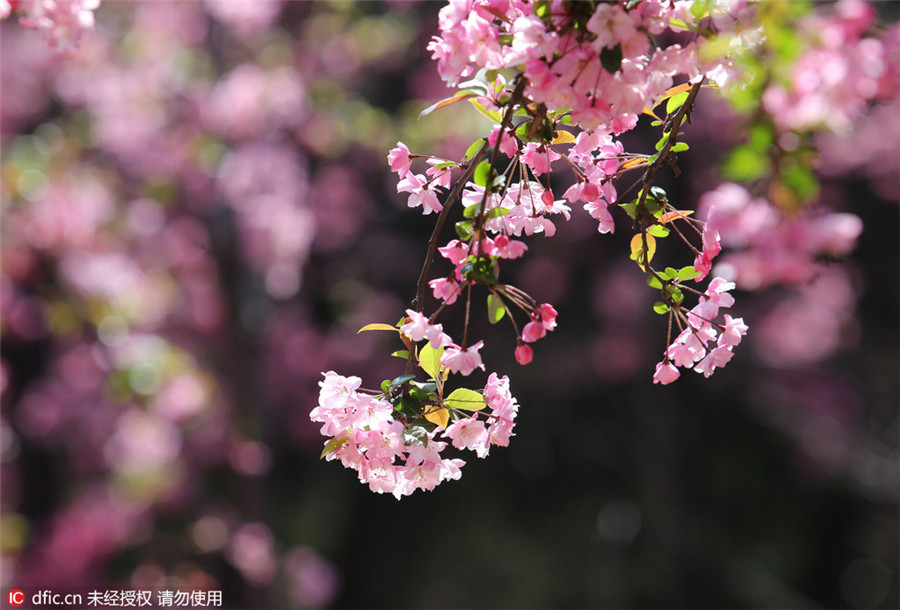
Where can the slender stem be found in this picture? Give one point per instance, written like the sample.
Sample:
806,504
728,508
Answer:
418,302
512,104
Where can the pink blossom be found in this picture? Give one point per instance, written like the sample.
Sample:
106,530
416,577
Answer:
548,315
455,251
505,247
469,433
683,354
533,331
524,354
509,146
420,193
463,361
538,157
716,296
734,330
419,328
717,358
399,159
445,289
665,373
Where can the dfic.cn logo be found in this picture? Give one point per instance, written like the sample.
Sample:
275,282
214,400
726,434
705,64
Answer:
16,597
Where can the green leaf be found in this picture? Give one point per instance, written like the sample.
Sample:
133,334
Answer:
655,123
482,173
652,206
611,58
430,360
473,150
333,445
401,379
660,307
800,179
676,293
471,211
701,7
654,282
687,273
630,208
671,273
444,165
386,385
522,131
658,231
497,213
496,310
744,164
402,353
662,142
465,399
676,101
415,434
463,229
492,115
679,147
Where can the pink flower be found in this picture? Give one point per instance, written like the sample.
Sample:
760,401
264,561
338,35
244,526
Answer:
445,289
682,354
548,316
419,328
524,354
508,144
734,330
533,331
505,247
399,159
463,361
419,193
469,433
538,157
717,358
665,373
455,251
716,296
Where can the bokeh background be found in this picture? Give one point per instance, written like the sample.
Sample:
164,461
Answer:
197,218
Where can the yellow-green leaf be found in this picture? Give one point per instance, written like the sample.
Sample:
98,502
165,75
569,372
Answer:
637,249
438,415
495,308
378,326
465,399
430,360
563,137
333,445
493,115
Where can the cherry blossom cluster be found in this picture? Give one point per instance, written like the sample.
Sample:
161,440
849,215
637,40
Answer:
560,83
703,344
843,68
62,21
594,59
370,435
769,246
